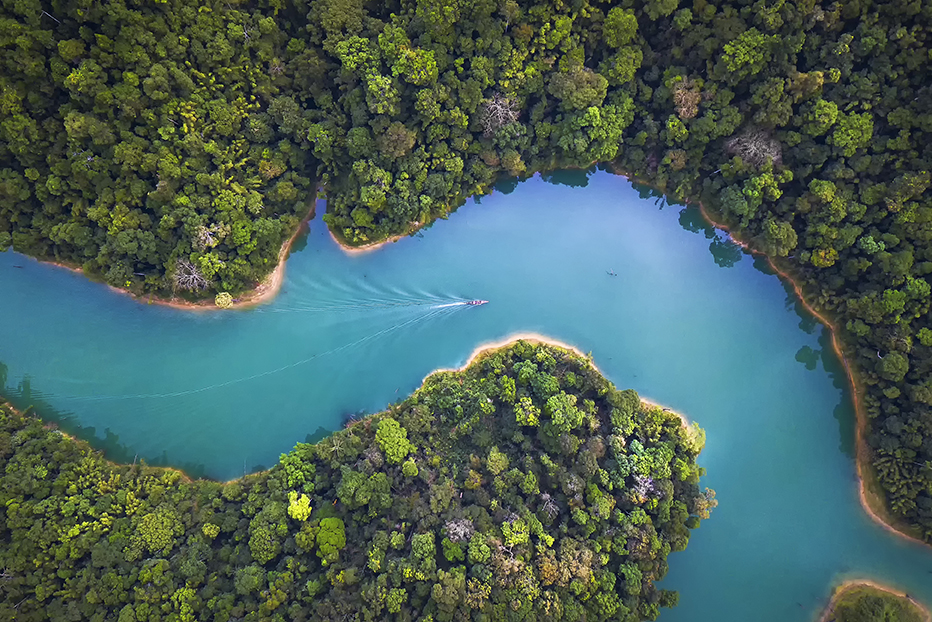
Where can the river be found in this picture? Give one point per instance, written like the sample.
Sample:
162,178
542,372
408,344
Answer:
666,305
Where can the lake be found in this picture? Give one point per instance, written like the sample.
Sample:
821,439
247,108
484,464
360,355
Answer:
665,304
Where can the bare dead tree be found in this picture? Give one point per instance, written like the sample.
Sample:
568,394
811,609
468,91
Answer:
459,529
498,112
205,238
208,237
644,486
550,506
187,276
756,147
686,98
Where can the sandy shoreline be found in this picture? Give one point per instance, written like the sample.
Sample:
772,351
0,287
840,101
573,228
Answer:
270,286
264,292
538,339
855,583
368,248
873,506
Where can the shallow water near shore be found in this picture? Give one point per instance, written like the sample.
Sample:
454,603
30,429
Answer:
709,334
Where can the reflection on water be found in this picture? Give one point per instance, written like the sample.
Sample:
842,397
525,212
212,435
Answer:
220,393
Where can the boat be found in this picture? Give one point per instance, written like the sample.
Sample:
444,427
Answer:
476,303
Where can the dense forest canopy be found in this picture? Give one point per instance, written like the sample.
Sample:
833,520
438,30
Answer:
522,488
171,147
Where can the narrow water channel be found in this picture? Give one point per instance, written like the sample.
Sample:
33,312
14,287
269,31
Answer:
665,304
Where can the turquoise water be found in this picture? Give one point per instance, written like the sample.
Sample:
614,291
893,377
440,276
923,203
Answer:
707,333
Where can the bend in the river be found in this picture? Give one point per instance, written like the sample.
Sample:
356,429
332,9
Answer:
716,336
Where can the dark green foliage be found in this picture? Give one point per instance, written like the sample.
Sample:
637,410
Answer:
514,524
174,144
136,138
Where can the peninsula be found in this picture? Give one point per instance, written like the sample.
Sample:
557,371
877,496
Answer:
525,481
865,601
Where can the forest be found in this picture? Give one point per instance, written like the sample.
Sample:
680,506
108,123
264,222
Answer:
525,487
169,148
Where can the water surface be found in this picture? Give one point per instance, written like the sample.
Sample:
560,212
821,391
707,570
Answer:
710,334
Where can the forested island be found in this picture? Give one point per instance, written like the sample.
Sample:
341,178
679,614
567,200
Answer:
859,601
171,148
523,487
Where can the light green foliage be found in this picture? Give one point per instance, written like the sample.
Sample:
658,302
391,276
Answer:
508,389
156,531
224,300
563,413
331,538
263,544
748,53
852,132
893,366
210,531
820,117
423,546
452,551
299,506
676,130
393,440
660,8
299,468
409,468
779,237
578,88
396,598
620,27
527,413
515,532
497,461
479,551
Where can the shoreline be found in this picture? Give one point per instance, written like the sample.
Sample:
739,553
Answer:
538,339
372,246
851,584
264,292
269,288
872,506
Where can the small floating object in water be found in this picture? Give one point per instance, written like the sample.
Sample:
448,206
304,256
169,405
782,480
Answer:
476,303
20,267
611,273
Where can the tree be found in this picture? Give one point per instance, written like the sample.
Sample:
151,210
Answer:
756,147
393,440
497,112
620,27
331,538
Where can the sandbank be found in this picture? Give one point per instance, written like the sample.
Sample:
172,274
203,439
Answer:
847,586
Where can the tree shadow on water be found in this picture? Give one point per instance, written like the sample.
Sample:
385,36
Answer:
573,178
725,253
26,398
